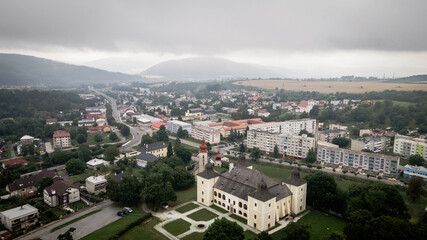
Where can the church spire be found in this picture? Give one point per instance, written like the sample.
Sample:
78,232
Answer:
203,147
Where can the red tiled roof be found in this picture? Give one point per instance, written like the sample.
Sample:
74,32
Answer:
53,120
60,133
15,161
303,104
158,124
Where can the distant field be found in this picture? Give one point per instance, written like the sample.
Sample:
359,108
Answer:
332,87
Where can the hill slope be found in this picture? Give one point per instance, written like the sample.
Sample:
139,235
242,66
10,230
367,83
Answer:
206,68
21,70
410,79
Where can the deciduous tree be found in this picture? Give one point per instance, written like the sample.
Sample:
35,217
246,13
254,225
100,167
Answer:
225,230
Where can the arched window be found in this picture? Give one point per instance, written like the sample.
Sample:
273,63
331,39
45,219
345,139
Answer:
223,197
215,193
219,195
223,204
240,212
240,204
245,207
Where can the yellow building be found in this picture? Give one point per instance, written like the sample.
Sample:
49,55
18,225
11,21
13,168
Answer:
158,149
252,195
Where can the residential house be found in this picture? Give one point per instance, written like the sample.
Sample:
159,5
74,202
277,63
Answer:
97,163
27,184
263,113
20,217
51,121
96,184
61,194
14,162
151,152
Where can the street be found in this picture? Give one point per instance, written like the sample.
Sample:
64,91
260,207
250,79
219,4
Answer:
83,227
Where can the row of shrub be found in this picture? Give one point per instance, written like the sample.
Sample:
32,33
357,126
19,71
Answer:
130,226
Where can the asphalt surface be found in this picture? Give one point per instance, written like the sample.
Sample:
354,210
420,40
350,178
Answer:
83,227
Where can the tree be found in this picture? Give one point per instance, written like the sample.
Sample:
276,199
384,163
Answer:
378,198
75,166
84,153
111,153
415,188
67,235
124,130
276,151
44,183
255,153
416,160
113,137
242,148
314,112
311,156
182,133
225,230
322,193
146,139
162,135
170,150
297,231
98,138
81,138
263,236
342,142
208,144
157,191
183,179
128,191
219,120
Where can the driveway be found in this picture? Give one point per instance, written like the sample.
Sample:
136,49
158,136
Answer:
107,215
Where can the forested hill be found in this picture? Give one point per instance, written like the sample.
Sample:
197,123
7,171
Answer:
22,103
20,70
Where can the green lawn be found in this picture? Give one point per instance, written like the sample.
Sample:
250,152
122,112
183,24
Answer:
220,169
177,227
91,139
238,218
74,220
187,208
221,210
202,215
78,205
249,234
194,236
321,226
144,231
113,228
185,196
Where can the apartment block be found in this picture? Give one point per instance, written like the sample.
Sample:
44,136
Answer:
359,160
374,144
174,125
292,127
61,139
289,145
407,146
211,136
329,135
418,171
96,184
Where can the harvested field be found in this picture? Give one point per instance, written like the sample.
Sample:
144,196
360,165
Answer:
332,87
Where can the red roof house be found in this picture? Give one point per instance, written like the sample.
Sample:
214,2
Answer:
15,162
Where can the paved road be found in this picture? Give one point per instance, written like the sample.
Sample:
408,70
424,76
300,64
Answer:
107,215
136,133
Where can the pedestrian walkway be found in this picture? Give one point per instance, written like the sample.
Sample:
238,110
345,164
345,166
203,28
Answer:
283,223
173,215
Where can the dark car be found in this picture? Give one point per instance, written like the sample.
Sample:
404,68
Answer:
121,214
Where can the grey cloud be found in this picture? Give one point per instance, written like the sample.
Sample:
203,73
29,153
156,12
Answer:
211,27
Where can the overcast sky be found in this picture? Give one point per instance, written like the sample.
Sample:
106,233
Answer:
323,38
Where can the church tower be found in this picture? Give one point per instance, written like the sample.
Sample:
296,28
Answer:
203,156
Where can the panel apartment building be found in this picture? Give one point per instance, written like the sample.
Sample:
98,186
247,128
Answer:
292,127
211,136
407,146
174,125
372,162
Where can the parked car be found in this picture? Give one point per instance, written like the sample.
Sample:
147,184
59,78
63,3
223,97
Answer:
127,210
120,213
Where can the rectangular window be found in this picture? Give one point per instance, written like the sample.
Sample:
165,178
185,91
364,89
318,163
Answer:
254,216
255,204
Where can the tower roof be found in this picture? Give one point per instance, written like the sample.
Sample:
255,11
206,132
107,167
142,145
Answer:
295,179
209,172
203,147
218,156
241,162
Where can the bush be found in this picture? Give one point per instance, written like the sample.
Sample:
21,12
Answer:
344,171
319,166
130,226
309,165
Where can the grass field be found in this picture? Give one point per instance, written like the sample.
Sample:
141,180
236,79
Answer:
113,228
238,218
321,226
332,87
185,196
144,231
177,227
194,236
78,205
87,173
187,208
91,139
202,215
